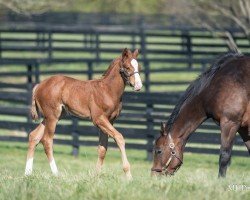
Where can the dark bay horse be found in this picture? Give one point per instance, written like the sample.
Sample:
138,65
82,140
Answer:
100,100
221,93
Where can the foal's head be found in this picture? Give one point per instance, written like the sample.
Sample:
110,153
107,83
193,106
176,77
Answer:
167,157
130,69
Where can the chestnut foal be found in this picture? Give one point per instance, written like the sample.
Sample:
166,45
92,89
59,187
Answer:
99,100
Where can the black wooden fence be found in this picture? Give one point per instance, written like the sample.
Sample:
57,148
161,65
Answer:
30,54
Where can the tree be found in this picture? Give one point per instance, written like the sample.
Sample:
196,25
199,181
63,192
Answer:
213,15
237,12
29,7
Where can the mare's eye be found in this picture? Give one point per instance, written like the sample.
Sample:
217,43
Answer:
158,151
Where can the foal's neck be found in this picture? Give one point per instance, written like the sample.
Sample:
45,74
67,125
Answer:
113,80
190,116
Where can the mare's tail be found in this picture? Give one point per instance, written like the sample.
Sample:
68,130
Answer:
34,110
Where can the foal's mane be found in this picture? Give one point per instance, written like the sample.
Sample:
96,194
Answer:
200,84
111,66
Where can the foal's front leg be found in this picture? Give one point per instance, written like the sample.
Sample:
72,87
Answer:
103,123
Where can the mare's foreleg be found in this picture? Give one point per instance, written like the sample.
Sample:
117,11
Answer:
245,135
34,138
228,132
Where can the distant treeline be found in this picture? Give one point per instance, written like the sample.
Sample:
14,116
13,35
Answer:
198,13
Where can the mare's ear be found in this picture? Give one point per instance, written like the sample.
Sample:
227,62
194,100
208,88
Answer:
136,53
163,128
125,53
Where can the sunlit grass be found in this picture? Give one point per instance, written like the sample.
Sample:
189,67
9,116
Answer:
197,178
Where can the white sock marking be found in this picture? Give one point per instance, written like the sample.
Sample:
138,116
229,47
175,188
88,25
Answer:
138,82
29,167
53,167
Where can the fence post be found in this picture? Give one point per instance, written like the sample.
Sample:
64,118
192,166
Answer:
38,41
133,40
37,73
203,67
186,40
90,70
149,110
143,41
85,40
92,39
50,46
147,76
75,138
0,46
29,93
150,129
97,45
43,39
145,60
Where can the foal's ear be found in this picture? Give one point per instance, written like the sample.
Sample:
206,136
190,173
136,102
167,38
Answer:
125,53
163,128
136,53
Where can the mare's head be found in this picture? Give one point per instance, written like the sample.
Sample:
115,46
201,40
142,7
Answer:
130,69
167,156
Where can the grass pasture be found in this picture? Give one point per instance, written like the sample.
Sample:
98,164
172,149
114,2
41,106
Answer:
197,178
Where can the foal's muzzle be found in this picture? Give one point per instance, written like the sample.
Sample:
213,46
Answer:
126,75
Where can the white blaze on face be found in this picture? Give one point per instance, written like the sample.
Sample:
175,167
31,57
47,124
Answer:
138,82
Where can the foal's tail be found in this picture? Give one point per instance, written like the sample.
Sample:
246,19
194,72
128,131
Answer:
33,110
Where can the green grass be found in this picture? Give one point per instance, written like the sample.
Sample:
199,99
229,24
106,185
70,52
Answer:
197,178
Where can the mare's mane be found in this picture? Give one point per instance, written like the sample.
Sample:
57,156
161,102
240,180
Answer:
200,84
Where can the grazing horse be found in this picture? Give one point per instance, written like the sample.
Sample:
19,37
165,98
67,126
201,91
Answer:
221,93
100,100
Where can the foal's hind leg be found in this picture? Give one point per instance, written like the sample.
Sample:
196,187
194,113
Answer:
47,141
102,149
245,135
228,132
34,138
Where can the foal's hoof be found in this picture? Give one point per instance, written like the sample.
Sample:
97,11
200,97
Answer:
129,176
98,169
56,174
27,173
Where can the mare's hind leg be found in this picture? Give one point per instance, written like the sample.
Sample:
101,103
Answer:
47,141
245,135
34,138
228,132
102,149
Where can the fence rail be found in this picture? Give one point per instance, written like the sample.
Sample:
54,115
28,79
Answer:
28,55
